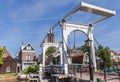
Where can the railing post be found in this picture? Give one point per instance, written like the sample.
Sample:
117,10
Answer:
66,68
118,71
104,74
80,71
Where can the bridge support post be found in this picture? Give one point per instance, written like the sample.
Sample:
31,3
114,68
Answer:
67,28
41,71
44,49
92,49
61,55
64,47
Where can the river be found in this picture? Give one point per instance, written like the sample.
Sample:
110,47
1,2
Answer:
11,81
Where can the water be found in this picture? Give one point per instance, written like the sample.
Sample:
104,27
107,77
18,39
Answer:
11,81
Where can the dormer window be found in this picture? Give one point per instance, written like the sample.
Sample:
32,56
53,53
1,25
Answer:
28,47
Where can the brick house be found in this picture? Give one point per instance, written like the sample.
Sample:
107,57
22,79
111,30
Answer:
9,64
80,57
39,59
26,56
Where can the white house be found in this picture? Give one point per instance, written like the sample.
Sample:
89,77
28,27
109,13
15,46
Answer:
115,56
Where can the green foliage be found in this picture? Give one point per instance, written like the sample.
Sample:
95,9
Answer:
84,48
31,69
105,55
1,59
50,51
26,71
8,74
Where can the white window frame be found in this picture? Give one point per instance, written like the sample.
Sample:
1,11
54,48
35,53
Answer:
29,48
28,57
8,69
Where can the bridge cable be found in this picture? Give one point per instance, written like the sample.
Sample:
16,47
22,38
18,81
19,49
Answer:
96,41
74,46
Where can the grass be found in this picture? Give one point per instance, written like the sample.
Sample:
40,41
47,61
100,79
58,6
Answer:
8,74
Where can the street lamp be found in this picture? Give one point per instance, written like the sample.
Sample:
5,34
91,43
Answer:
88,41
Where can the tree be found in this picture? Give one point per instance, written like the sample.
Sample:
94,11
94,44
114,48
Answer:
50,51
1,53
84,48
105,55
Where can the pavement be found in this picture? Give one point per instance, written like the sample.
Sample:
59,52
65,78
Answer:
85,77
110,77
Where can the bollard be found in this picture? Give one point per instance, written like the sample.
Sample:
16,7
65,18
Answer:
99,80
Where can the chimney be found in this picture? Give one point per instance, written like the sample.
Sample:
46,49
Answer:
22,46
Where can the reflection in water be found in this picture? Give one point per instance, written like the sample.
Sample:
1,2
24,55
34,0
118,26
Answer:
11,81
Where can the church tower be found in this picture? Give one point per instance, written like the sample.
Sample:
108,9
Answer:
50,37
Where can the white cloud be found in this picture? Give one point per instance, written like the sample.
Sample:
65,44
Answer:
30,21
37,9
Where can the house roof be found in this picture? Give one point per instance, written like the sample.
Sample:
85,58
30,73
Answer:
5,52
81,55
77,55
24,46
114,53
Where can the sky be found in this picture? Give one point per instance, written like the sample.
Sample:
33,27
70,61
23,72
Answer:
29,21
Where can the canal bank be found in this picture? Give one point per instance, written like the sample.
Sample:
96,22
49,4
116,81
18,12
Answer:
8,78
14,80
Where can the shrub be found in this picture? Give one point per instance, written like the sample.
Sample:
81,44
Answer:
30,69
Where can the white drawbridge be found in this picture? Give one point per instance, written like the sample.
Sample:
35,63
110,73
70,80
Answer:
87,29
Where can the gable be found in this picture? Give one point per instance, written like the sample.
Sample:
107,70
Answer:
28,47
5,52
9,59
10,63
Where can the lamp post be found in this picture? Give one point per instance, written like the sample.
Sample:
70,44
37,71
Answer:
88,41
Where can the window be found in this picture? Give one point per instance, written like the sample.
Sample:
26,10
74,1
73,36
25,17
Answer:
7,69
28,57
28,47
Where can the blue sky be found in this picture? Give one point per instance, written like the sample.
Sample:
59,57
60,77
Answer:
29,21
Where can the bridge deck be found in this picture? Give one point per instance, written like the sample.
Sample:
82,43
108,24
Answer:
85,77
